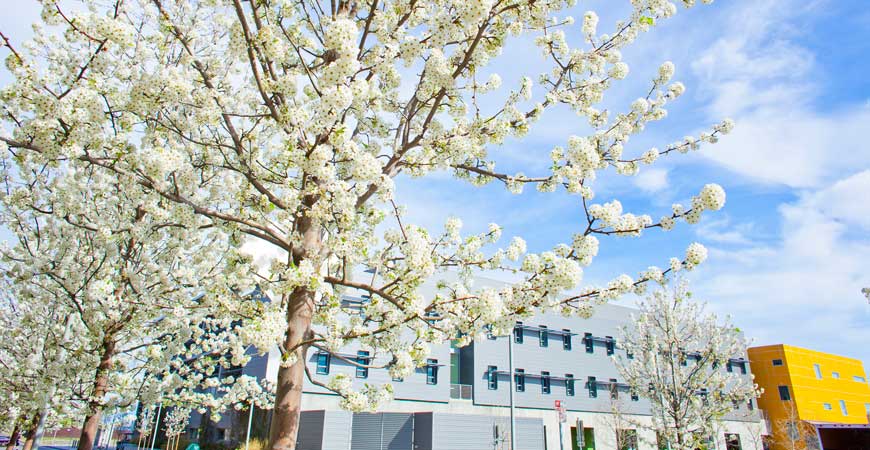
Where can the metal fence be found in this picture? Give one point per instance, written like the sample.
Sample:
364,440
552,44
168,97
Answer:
461,391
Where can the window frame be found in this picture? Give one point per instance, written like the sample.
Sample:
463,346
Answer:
569,384
518,333
431,372
362,357
546,383
592,386
492,378
543,336
520,380
784,395
843,408
323,365
566,340
777,362
818,369
589,341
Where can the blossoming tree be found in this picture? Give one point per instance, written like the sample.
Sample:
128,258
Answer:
289,121
110,279
679,356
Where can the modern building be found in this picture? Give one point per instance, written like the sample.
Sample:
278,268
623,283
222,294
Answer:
467,391
461,398
813,400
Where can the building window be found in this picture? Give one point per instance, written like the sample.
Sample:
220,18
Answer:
592,385
569,385
566,339
784,394
431,371
614,389
611,345
732,441
544,336
323,363
729,367
362,357
835,375
818,370
629,355
518,333
777,362
520,380
743,367
750,405
843,408
634,396
827,406
590,345
545,382
492,377
859,379
489,334
398,379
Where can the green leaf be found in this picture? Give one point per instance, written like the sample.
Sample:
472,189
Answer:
647,20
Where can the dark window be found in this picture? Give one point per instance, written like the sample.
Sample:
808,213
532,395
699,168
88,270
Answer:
545,382
323,363
629,355
684,361
489,334
518,333
587,339
732,441
729,367
362,357
777,362
569,384
520,380
634,396
783,393
431,371
492,377
398,379
566,339
743,367
750,405
614,389
592,385
544,336
611,345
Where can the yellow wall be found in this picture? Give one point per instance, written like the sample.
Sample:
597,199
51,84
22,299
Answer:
808,392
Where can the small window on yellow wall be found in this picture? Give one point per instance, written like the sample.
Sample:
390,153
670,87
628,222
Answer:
827,406
835,375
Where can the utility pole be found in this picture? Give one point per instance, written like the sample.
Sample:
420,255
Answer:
250,418
511,387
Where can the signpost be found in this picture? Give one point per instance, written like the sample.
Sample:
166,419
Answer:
560,409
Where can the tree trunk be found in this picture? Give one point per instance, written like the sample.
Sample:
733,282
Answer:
31,432
13,438
95,405
300,309
288,394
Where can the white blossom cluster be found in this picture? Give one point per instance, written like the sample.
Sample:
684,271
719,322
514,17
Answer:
160,137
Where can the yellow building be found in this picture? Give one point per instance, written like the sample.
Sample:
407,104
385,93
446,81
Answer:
813,400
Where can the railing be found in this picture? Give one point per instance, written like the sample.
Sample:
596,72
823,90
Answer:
461,391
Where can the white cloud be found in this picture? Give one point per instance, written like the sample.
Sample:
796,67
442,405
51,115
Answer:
758,76
652,180
803,289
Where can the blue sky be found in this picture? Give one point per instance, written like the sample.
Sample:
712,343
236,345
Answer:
791,249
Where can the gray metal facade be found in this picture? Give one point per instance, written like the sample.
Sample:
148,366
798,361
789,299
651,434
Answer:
417,431
534,359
